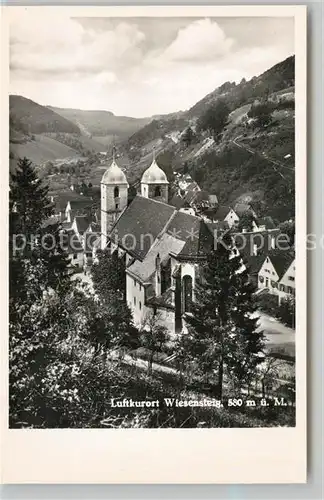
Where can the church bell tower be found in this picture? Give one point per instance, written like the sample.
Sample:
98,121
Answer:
114,196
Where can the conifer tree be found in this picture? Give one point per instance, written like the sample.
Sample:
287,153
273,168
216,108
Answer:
28,201
37,260
108,276
109,282
222,327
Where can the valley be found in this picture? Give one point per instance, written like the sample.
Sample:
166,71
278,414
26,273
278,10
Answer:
247,161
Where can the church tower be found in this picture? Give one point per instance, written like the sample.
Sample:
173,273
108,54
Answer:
154,183
114,195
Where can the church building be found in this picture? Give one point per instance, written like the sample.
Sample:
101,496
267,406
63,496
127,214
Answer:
160,247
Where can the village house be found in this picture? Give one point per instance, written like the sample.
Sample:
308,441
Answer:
227,214
277,273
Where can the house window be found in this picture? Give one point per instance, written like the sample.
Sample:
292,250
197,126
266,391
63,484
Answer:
134,301
117,206
116,192
290,290
135,283
140,305
75,256
291,278
140,287
282,288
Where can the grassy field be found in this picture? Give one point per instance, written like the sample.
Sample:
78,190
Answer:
43,149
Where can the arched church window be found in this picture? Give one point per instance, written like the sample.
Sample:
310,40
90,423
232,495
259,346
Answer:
157,191
116,192
187,293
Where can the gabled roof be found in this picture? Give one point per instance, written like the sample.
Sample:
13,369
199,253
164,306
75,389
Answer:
194,231
177,202
222,211
81,203
82,223
61,200
255,263
245,244
162,247
281,260
140,224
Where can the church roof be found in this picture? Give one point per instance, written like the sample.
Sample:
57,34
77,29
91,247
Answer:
140,224
194,231
145,220
114,175
154,175
162,247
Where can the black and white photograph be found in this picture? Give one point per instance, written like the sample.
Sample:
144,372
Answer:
152,222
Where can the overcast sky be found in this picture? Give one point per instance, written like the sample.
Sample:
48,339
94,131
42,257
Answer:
139,66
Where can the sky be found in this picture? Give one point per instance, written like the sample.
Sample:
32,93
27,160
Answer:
139,66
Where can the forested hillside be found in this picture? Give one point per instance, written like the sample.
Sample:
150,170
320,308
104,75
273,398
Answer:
37,119
237,142
102,123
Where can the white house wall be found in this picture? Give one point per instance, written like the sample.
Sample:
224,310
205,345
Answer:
135,296
231,218
288,280
268,272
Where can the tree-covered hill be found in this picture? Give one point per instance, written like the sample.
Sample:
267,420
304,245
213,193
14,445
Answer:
102,123
237,142
37,119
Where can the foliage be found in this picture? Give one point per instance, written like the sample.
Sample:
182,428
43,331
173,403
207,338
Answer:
262,113
37,261
246,221
39,119
153,336
28,201
234,171
113,324
222,325
108,275
286,311
214,119
268,303
288,228
188,136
